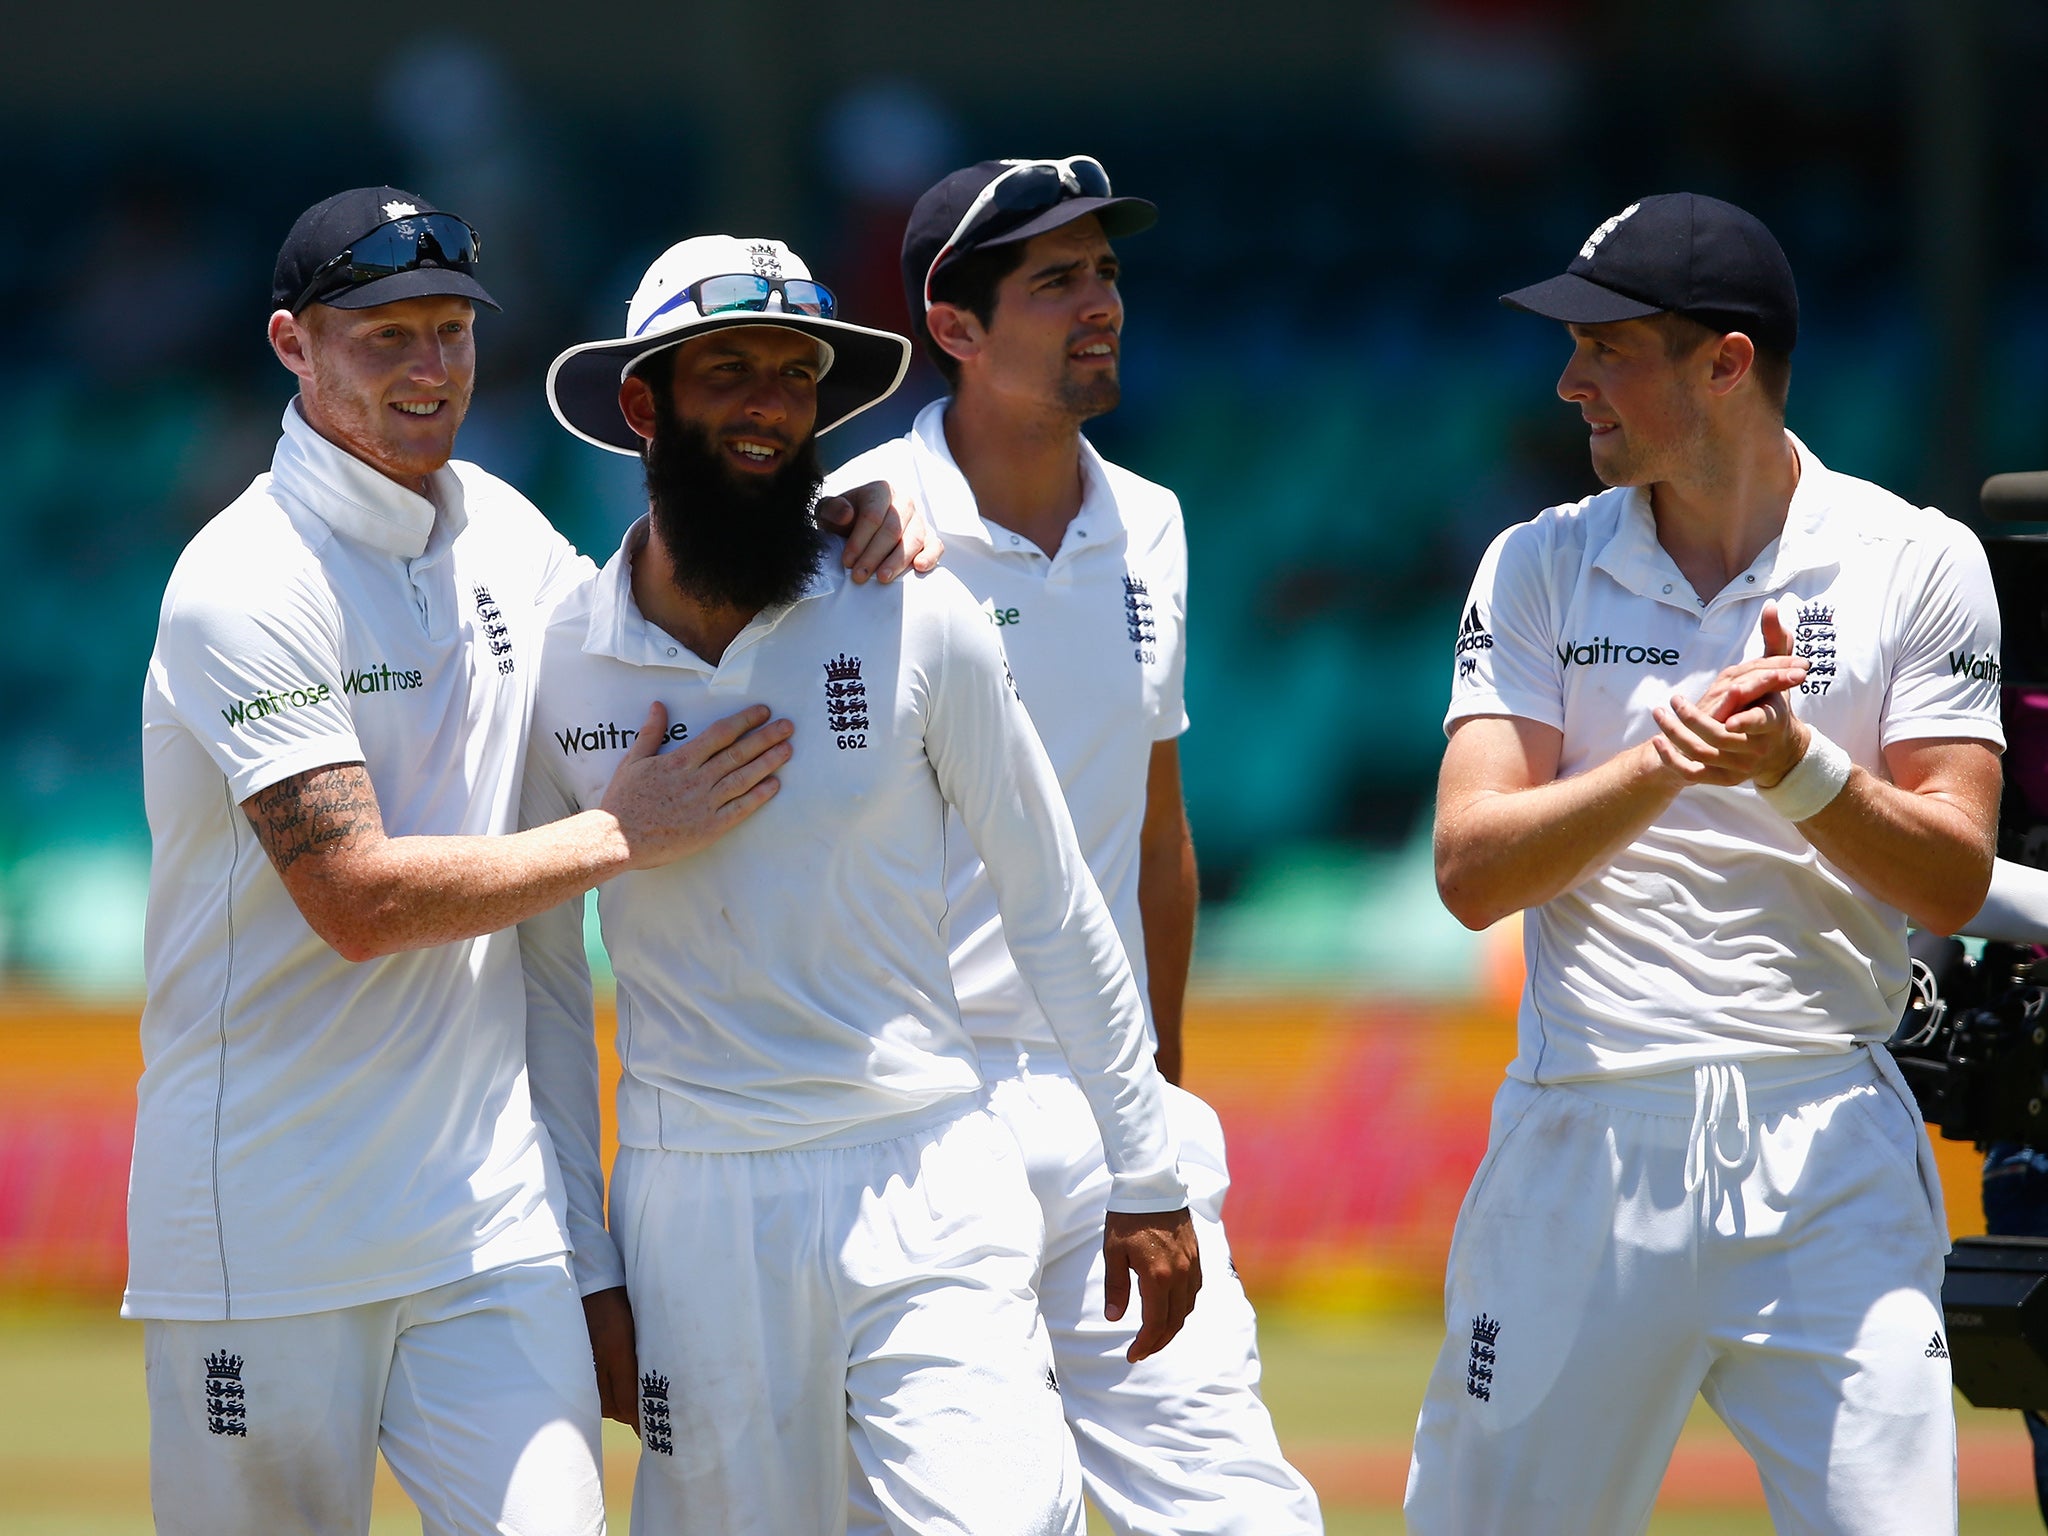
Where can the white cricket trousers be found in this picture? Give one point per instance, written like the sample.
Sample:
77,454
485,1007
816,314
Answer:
790,1305
1768,1234
1180,1444
480,1393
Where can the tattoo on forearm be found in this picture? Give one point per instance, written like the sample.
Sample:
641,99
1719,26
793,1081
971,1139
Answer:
313,812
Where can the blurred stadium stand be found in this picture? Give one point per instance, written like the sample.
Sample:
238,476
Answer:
1314,358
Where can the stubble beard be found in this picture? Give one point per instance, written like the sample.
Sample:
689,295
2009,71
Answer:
359,421
1086,398
1680,455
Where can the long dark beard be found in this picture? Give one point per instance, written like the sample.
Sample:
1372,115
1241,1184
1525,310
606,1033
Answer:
734,543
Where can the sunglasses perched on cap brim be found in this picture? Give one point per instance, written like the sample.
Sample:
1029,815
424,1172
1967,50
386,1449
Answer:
731,291
433,240
1028,186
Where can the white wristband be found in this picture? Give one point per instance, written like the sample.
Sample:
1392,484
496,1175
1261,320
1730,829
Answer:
1814,781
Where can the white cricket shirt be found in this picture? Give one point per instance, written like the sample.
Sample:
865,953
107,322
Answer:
311,1133
1721,933
789,986
1096,635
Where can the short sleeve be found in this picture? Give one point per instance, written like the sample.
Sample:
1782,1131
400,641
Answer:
1171,720
1945,670
1504,660
255,675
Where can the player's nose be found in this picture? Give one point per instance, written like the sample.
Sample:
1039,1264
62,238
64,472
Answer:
429,362
1572,383
1102,304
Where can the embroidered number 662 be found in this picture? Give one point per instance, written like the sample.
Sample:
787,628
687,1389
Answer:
853,741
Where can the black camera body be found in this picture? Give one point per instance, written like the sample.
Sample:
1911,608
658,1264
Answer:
1973,1042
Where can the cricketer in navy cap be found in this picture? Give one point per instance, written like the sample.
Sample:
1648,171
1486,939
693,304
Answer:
1678,253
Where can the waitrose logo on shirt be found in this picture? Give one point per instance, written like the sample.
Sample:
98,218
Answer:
382,678
1601,650
275,702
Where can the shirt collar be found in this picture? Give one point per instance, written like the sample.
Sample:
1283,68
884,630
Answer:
949,500
1633,557
359,501
1803,545
618,628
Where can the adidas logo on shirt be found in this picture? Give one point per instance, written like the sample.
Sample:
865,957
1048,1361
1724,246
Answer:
1472,639
1936,1349
1472,633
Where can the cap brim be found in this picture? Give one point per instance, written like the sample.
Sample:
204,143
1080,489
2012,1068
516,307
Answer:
1120,216
1577,301
419,283
583,383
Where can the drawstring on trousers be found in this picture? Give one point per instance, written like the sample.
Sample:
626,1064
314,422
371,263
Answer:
1713,1084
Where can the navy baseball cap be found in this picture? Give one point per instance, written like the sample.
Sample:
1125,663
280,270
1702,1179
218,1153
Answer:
1676,253
946,224
375,245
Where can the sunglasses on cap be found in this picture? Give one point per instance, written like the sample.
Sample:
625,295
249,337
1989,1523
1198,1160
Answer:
1028,186
403,245
731,291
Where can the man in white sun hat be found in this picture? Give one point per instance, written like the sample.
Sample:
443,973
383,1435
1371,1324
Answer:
346,1230
1081,567
818,1225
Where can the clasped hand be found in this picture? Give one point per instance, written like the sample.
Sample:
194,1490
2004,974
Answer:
1742,728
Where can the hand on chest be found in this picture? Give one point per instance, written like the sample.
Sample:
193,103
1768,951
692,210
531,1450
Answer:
853,730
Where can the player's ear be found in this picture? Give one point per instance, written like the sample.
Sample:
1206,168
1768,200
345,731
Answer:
291,339
1734,356
636,401
958,332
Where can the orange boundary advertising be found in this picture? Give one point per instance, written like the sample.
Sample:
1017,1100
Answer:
1353,1126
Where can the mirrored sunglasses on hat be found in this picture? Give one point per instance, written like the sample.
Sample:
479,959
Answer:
438,240
749,290
1028,186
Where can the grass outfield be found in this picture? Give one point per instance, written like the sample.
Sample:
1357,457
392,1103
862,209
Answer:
74,1436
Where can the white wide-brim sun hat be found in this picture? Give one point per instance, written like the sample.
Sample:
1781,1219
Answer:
860,367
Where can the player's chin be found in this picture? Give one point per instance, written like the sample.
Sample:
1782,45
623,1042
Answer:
1615,465
1091,392
422,453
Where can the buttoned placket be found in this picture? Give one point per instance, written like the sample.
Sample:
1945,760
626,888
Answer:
656,647
1645,567
1082,535
1634,557
420,572
428,572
